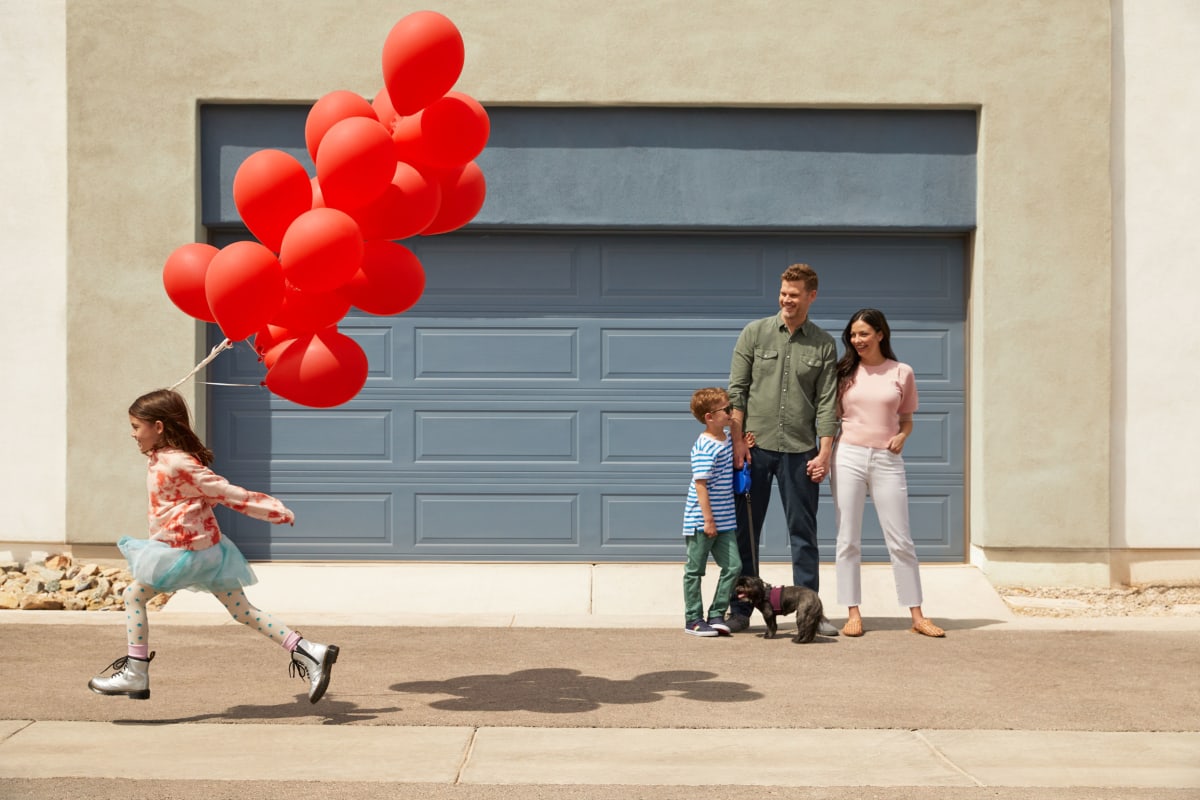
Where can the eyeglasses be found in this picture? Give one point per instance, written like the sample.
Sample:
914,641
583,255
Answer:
726,409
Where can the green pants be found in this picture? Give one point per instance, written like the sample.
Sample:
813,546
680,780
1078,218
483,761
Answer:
724,549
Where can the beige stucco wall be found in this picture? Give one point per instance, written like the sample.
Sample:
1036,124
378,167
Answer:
33,270
1156,282
1042,431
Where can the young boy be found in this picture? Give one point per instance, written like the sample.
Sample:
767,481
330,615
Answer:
709,520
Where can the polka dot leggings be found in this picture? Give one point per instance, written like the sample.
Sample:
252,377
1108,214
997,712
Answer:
137,625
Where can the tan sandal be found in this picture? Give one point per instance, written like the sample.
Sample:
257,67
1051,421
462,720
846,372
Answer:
927,628
853,627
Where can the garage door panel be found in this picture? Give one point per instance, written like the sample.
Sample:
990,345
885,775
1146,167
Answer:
646,523
933,353
362,516
295,435
505,354
496,436
487,516
379,345
645,438
933,445
695,354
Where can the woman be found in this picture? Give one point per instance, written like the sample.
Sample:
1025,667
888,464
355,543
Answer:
877,396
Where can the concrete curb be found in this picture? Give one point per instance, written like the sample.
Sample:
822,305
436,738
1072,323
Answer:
596,756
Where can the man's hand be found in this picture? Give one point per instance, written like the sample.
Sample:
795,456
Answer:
741,449
818,468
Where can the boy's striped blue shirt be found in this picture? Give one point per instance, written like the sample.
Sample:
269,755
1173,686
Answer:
712,461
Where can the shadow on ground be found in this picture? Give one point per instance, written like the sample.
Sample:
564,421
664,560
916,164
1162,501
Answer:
328,711
568,691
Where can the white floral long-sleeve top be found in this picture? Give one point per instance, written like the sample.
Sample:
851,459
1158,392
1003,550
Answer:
182,495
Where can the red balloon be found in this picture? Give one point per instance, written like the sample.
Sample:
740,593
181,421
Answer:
321,370
384,112
390,280
321,250
268,337
330,110
270,342
449,133
405,208
244,286
183,278
422,58
305,312
355,162
270,189
463,193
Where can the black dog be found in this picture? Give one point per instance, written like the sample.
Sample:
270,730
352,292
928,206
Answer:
771,600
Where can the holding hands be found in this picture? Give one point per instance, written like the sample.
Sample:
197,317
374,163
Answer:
818,468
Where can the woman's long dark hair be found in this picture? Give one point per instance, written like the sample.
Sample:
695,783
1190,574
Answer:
169,408
848,365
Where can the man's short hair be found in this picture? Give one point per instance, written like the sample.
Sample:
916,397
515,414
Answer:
801,273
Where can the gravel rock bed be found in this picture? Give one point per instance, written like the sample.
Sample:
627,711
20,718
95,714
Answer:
1150,600
58,583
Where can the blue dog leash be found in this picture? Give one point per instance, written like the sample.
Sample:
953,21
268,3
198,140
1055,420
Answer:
741,485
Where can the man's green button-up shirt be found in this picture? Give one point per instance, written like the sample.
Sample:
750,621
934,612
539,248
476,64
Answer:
786,384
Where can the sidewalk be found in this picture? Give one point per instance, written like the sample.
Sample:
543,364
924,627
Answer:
604,757
489,679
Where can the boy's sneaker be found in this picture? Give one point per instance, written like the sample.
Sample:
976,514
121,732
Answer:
719,625
699,627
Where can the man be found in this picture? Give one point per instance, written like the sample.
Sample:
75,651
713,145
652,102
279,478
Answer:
783,389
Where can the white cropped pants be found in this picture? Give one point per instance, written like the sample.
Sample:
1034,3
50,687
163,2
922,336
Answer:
857,470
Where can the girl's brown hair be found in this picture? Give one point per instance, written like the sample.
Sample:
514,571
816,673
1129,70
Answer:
169,408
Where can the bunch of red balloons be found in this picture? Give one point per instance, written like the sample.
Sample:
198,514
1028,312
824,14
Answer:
399,166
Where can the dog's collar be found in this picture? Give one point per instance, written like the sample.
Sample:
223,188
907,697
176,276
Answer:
776,597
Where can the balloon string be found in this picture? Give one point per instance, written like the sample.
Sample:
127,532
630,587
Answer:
226,344
248,385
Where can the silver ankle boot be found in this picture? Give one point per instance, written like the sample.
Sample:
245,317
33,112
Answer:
315,662
131,677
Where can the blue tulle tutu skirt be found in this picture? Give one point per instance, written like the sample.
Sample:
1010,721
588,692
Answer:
221,567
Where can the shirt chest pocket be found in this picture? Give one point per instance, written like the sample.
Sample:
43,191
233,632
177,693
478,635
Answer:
766,362
807,364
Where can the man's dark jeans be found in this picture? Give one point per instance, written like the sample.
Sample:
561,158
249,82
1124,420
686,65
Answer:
800,497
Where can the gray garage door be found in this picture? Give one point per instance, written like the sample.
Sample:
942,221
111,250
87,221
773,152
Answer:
533,405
